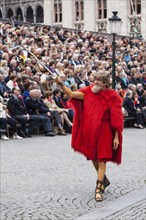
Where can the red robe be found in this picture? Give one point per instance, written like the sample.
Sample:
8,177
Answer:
92,131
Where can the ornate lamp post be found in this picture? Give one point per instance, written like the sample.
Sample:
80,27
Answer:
115,28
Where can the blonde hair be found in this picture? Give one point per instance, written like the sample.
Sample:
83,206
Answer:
3,63
78,69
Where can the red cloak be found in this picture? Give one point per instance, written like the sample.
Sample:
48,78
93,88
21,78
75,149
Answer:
88,127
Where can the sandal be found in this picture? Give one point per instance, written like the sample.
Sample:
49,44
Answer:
106,183
98,191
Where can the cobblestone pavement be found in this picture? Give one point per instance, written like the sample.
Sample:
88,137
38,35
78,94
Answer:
42,178
136,211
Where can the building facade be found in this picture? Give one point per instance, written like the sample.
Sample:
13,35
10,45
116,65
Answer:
22,10
80,14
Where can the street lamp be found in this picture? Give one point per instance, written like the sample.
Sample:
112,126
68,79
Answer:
115,28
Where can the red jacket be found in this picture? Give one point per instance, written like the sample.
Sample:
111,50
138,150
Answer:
88,118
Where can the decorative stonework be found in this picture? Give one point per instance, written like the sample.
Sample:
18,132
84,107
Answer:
135,26
101,26
79,25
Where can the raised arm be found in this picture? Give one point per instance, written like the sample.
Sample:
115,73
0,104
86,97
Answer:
71,94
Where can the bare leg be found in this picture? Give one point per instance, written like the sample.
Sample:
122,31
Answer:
62,119
99,187
95,163
67,119
101,170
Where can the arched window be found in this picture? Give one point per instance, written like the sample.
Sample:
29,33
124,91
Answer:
10,13
29,14
57,11
79,10
1,14
19,15
102,9
135,7
39,14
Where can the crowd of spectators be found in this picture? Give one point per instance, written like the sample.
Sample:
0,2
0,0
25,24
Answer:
75,55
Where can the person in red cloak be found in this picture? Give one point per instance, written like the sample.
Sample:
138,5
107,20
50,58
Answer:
97,126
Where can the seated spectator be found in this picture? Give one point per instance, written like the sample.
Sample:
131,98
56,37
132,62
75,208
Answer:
142,101
139,89
47,85
18,111
27,87
56,97
4,89
36,79
20,84
132,87
54,114
4,68
144,79
52,106
75,60
63,103
13,81
6,119
128,104
121,77
73,87
37,108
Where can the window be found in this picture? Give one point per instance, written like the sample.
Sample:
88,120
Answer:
79,10
57,11
82,10
60,12
135,7
102,9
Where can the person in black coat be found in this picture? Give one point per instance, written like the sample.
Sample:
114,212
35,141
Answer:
142,101
18,111
128,104
36,107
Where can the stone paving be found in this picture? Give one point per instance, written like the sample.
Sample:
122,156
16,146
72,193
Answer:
42,178
136,211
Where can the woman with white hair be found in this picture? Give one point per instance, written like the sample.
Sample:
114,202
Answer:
4,68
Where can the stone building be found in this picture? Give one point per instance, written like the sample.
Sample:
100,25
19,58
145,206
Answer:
22,10
79,14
